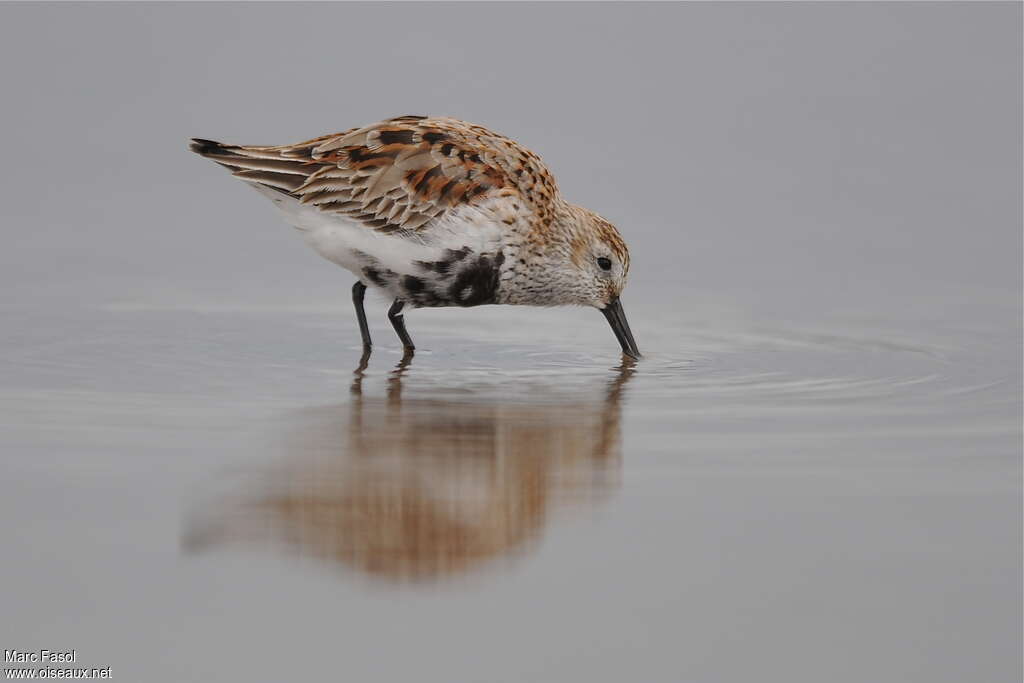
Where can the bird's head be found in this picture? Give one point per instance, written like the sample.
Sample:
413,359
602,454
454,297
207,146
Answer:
593,261
601,258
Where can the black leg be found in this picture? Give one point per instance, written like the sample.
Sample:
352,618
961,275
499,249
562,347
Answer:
398,322
358,290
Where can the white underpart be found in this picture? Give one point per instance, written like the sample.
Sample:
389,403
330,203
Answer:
344,242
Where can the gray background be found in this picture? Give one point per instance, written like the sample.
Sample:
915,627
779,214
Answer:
820,474
828,149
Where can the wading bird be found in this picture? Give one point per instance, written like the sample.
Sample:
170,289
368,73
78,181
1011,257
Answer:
439,212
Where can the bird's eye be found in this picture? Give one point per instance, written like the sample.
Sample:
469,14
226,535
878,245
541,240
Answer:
605,263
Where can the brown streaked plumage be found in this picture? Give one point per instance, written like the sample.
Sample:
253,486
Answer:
439,212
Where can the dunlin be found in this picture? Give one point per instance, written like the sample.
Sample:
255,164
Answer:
439,212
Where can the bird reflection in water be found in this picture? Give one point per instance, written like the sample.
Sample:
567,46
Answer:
410,489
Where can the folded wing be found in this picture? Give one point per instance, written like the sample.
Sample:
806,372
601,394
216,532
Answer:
398,175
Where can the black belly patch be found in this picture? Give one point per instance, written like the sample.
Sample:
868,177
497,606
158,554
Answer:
477,282
446,263
413,284
378,276
458,279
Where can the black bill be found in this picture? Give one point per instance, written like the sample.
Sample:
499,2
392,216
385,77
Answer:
617,319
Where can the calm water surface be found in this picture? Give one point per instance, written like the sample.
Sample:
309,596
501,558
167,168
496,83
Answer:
233,492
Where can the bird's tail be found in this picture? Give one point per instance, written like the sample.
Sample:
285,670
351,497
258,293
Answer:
211,148
280,168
